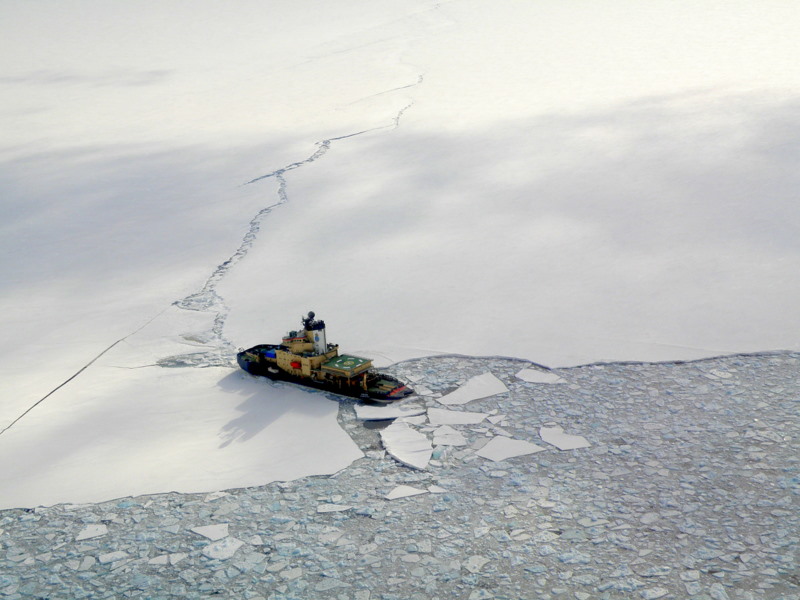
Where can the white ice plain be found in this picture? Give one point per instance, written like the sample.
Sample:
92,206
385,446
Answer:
560,183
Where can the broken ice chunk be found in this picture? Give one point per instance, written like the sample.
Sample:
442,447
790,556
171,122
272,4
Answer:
326,508
91,531
222,549
404,491
480,386
563,441
443,416
447,436
369,412
718,373
215,496
537,376
475,563
417,420
212,532
500,448
111,557
406,445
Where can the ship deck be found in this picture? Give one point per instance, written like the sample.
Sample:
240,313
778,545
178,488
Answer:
347,365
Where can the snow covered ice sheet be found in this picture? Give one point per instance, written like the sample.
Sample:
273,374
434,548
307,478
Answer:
480,386
184,430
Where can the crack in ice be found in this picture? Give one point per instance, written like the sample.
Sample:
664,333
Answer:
78,372
208,300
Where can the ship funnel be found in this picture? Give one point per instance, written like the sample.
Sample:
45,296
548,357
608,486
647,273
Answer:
317,331
320,344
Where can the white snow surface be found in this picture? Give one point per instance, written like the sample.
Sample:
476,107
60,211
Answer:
560,182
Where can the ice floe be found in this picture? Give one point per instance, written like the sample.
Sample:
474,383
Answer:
480,386
328,508
404,491
501,447
447,436
92,531
563,441
372,412
222,549
212,532
443,416
407,445
538,376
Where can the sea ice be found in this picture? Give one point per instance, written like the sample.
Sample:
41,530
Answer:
370,412
417,420
222,549
480,386
443,416
447,436
215,496
406,445
92,531
212,532
403,491
110,557
563,441
537,376
326,508
501,447
719,373
475,563
187,430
